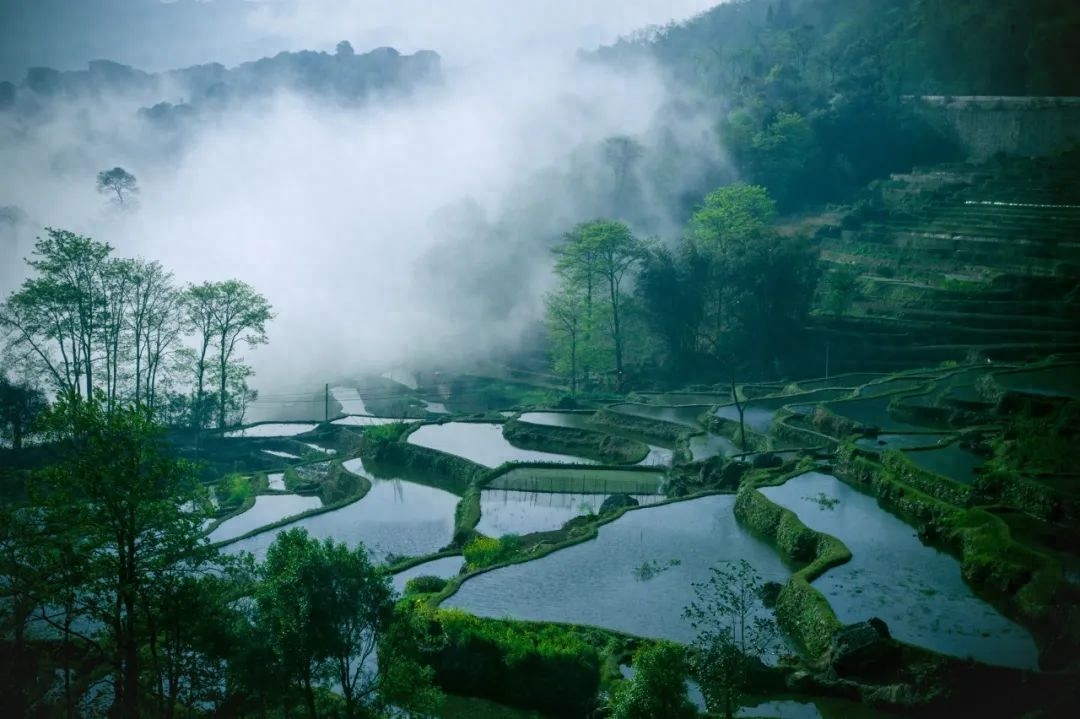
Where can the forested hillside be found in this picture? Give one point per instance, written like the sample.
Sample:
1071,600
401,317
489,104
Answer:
813,91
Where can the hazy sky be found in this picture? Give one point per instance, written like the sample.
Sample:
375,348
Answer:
155,35
337,214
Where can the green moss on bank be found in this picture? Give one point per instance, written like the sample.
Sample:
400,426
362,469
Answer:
599,446
800,609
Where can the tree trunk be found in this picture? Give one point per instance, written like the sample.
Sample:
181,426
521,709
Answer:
221,393
741,410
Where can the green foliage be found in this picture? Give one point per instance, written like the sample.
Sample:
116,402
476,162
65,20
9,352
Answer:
20,405
734,630
323,609
224,315
485,551
425,585
658,688
731,216
840,289
392,432
118,183
605,448
648,570
588,311
233,491
548,668
119,535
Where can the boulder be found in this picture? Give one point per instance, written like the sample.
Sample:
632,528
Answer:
616,502
862,648
767,460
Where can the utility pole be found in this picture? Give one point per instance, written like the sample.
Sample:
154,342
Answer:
326,403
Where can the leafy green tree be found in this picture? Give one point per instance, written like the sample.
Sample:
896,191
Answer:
327,608
735,633
757,285
117,182
53,320
223,315
785,159
658,688
595,260
671,299
20,405
730,217
841,288
156,321
566,320
125,513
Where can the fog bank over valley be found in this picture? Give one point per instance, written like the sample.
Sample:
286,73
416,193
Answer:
393,208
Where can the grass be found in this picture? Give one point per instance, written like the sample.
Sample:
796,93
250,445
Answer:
586,481
455,707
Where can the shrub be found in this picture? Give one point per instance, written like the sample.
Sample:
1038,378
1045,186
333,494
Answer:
233,491
485,551
425,585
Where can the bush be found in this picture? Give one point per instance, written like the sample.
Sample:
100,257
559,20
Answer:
551,669
485,551
233,491
425,585
385,432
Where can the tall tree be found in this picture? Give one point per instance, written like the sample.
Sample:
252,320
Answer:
20,405
155,319
566,319
127,512
327,607
597,257
239,314
119,183
53,320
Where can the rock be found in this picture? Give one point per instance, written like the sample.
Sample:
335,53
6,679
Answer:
862,648
616,502
767,460
770,592
567,402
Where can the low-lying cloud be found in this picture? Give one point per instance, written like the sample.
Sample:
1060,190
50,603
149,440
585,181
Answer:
411,230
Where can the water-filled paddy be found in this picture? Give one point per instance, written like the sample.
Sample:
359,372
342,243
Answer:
282,455
268,508
685,415
273,429
952,461
276,481
657,456
369,421
899,441
872,411
350,400
395,517
482,443
434,407
577,420
585,480
595,582
1062,381
852,380
756,417
514,511
444,568
916,589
